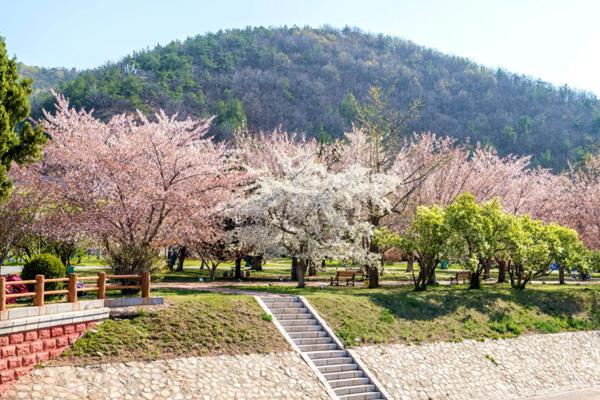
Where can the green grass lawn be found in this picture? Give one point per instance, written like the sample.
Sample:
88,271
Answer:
195,324
399,315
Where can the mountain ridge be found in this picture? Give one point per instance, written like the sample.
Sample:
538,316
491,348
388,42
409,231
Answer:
306,79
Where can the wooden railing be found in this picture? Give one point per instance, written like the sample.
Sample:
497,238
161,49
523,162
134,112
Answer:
72,290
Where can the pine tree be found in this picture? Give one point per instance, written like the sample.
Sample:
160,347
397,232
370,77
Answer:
20,142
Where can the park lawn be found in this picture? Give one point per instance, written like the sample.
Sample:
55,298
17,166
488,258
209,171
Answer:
195,324
279,270
362,316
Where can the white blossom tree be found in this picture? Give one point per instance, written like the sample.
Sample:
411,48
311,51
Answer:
309,213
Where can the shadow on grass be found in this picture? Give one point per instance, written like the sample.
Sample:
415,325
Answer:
497,302
187,292
440,301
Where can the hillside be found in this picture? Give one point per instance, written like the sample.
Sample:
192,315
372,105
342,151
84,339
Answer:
307,79
44,79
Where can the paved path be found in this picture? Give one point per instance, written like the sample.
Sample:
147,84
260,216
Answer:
592,393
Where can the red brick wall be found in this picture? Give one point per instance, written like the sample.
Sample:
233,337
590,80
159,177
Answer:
19,352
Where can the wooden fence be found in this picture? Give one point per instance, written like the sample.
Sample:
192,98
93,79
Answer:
98,284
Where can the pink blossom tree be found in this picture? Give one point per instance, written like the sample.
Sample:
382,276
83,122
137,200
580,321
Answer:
133,183
22,212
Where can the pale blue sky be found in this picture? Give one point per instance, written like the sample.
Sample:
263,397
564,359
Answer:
558,41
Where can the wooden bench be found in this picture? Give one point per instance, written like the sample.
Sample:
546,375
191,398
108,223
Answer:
245,272
358,273
464,275
348,275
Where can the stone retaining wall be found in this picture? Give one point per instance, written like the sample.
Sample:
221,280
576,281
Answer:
283,376
31,335
19,352
494,369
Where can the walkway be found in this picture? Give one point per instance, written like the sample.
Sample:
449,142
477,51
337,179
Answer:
321,349
582,394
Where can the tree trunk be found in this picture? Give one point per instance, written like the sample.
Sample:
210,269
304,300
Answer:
238,268
475,282
213,271
421,280
487,271
312,268
410,264
181,258
294,276
323,266
561,274
257,263
501,271
431,277
301,270
373,277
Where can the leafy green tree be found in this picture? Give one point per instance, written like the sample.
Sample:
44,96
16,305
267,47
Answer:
530,250
478,233
567,250
427,239
349,107
231,117
20,142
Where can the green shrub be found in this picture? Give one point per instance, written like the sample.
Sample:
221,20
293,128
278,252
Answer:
128,259
48,265
266,317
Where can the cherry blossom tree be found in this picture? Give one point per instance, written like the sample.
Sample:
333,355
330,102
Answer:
133,183
309,213
582,204
22,212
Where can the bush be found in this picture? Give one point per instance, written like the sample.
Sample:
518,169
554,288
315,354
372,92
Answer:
48,265
133,260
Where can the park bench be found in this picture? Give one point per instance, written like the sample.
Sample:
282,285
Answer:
349,275
464,275
245,272
358,273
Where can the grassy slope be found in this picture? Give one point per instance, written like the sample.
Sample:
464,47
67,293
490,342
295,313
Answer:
400,315
195,324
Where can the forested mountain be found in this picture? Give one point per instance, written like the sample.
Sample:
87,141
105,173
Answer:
44,79
309,80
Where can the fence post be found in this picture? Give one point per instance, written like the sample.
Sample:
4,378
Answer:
145,284
101,285
38,299
72,296
2,293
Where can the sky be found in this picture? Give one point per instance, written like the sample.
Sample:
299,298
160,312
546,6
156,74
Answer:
553,40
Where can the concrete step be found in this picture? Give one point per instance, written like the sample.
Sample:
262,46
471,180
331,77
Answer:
291,310
298,322
303,328
307,334
362,396
349,382
340,391
332,361
331,368
320,347
285,304
282,317
329,353
285,299
334,376
313,340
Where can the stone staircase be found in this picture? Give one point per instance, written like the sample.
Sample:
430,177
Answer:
343,375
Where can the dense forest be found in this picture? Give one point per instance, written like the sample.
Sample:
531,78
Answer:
44,79
310,80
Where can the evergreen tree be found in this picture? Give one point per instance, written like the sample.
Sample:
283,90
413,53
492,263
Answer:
20,142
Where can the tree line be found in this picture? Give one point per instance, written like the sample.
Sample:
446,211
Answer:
310,80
